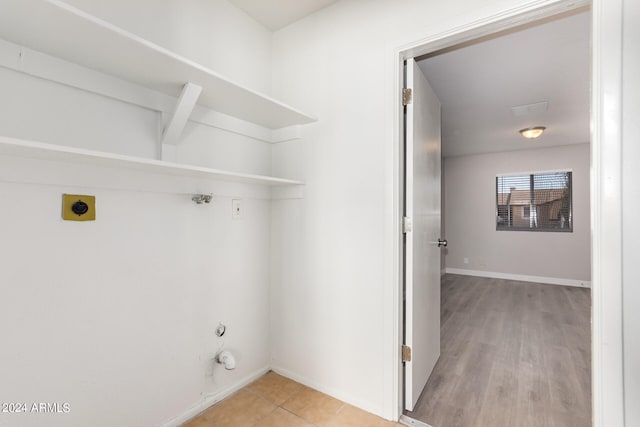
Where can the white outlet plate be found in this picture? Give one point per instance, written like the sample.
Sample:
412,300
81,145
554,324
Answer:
236,208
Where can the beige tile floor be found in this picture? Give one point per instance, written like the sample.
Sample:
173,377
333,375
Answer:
276,401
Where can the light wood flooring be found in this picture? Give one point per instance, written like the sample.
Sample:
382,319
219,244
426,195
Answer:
276,401
512,354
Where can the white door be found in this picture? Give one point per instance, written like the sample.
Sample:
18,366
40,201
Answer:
422,250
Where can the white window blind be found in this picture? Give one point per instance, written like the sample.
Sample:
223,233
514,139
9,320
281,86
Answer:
534,202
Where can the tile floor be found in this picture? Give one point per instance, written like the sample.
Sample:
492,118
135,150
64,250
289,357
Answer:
276,401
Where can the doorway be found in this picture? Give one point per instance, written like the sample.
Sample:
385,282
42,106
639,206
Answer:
509,29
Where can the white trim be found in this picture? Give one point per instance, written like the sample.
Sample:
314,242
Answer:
521,277
507,19
606,218
365,406
394,271
36,64
212,399
408,421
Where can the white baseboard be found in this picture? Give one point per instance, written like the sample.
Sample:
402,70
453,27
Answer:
408,421
365,406
214,398
521,277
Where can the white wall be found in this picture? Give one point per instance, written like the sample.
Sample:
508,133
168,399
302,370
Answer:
470,226
40,110
117,316
631,207
332,289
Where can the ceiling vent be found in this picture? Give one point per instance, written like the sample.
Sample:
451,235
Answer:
530,109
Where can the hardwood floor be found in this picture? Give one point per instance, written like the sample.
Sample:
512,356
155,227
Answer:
512,354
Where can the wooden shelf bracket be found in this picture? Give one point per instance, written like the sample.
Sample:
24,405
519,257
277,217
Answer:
178,120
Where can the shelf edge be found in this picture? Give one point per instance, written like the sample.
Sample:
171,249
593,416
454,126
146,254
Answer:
92,19
33,149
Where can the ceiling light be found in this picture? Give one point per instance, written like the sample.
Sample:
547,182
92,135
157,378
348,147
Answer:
532,133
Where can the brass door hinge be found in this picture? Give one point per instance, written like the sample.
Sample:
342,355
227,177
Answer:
406,353
407,96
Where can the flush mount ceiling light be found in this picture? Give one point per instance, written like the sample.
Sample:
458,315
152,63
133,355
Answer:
532,133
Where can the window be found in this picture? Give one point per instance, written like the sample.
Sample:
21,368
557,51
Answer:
534,202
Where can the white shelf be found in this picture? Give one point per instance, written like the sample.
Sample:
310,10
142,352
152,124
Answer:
39,150
58,29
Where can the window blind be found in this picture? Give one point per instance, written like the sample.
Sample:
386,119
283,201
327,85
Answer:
534,202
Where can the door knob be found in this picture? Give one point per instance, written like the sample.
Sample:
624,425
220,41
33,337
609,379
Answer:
442,243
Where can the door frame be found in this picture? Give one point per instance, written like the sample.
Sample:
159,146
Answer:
606,188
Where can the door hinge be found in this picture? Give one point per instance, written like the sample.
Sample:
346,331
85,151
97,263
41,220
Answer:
407,96
406,353
407,225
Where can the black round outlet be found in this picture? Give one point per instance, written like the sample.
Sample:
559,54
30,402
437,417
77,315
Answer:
80,208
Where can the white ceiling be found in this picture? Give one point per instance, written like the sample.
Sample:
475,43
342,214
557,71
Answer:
478,84
276,14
